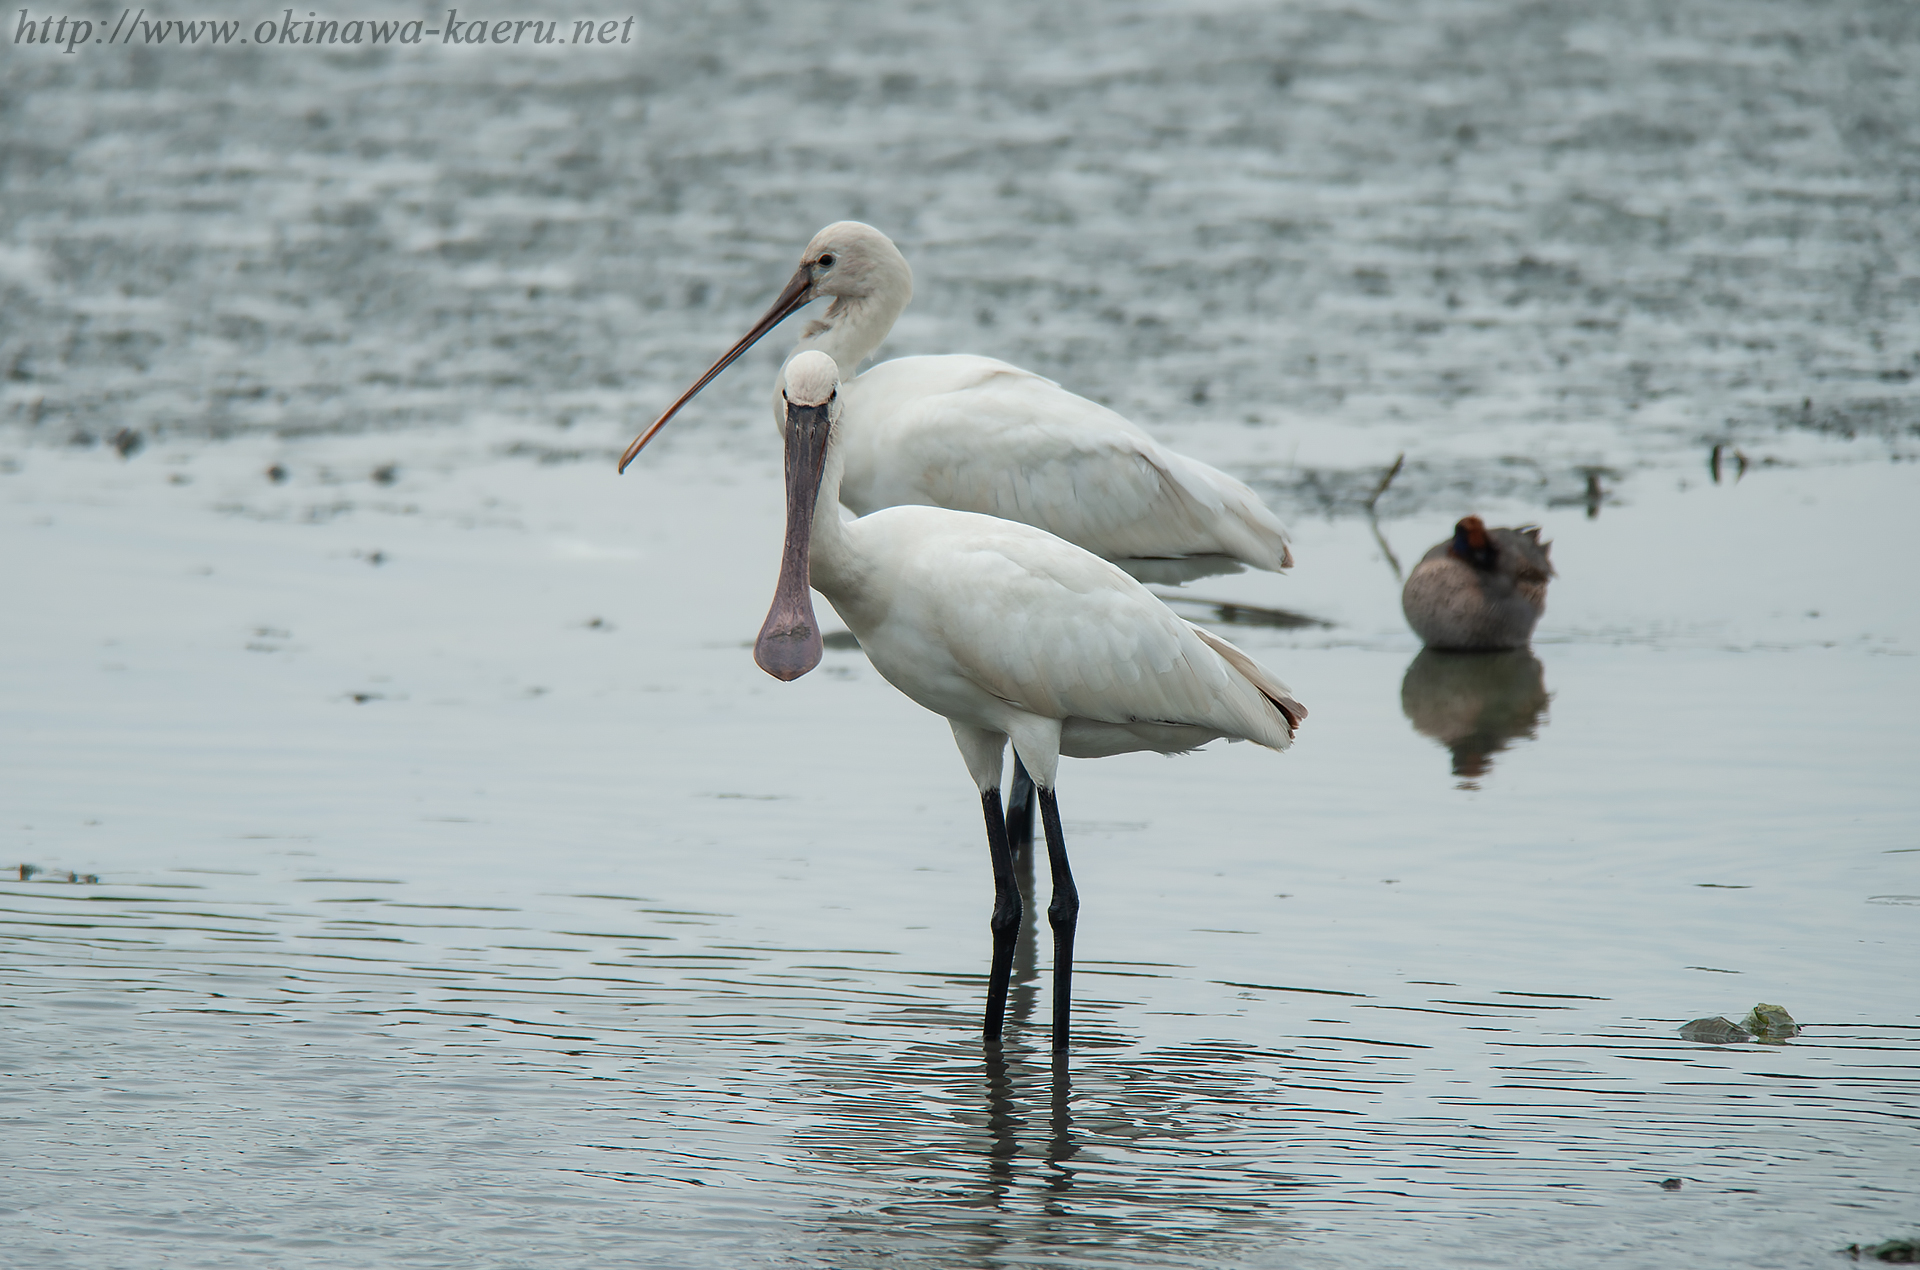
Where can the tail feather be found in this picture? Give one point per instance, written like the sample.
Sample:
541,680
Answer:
1246,527
1260,677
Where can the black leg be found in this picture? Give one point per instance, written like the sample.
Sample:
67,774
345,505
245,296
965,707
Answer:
1005,923
1063,914
1020,808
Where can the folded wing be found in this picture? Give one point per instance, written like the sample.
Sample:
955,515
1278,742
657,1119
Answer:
975,434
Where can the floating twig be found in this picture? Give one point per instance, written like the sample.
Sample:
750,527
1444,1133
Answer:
1385,481
1393,561
1373,520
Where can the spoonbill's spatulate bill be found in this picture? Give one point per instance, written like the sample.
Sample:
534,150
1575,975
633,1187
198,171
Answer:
976,434
1482,590
1014,635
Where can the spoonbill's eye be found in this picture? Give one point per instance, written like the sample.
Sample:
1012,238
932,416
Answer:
826,261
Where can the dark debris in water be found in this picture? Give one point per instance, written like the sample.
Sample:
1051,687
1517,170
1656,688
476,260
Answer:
1890,416
1764,1023
1714,1031
1770,1023
1732,455
1415,486
1903,1252
28,872
1232,613
1594,496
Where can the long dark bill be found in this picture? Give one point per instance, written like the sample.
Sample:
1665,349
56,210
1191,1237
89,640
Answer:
789,643
797,295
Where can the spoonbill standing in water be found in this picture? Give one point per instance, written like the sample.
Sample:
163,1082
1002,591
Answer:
977,434
1014,635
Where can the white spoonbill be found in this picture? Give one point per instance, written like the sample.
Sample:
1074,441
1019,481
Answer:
1012,634
975,434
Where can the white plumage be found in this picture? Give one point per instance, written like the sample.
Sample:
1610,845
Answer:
1009,632
1005,628
975,434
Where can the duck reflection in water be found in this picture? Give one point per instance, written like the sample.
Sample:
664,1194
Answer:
1474,601
1475,704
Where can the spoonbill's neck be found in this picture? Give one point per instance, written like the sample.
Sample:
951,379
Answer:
854,326
832,563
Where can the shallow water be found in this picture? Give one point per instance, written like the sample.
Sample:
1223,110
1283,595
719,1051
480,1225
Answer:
683,965
422,873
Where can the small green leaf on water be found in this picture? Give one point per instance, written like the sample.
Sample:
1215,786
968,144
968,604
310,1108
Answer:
1770,1023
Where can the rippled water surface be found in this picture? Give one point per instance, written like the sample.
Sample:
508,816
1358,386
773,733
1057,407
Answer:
405,863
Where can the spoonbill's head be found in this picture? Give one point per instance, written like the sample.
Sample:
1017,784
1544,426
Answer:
850,261
789,642
813,383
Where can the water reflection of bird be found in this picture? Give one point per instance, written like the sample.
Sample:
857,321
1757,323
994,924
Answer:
976,434
1482,589
1012,634
1475,704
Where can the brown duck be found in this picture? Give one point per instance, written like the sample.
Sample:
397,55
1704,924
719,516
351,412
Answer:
1481,590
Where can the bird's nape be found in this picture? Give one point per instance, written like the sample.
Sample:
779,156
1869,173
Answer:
797,294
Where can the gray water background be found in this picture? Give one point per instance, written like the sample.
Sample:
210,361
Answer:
427,877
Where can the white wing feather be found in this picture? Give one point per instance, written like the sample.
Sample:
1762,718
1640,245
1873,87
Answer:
975,604
975,434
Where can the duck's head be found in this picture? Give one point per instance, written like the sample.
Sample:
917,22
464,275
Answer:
1473,544
1518,553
